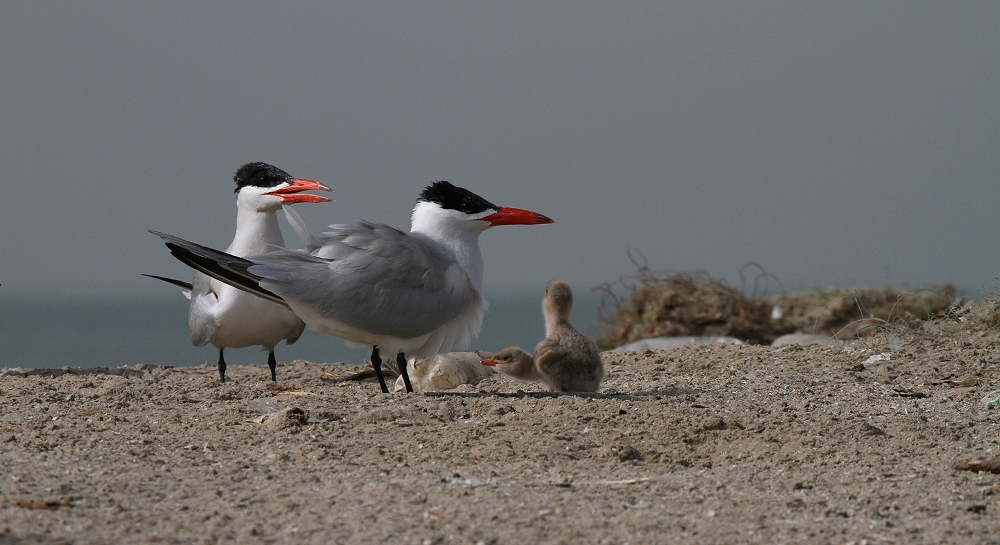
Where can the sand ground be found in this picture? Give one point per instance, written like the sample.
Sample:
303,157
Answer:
722,444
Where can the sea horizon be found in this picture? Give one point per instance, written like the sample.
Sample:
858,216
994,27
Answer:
95,330
39,331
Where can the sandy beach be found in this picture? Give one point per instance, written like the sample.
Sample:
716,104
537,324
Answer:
847,443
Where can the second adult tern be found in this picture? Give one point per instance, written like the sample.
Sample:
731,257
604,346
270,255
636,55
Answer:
414,294
231,318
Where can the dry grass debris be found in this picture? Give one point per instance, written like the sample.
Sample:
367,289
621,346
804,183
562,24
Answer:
652,303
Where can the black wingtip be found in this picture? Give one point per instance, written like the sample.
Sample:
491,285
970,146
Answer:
221,266
178,283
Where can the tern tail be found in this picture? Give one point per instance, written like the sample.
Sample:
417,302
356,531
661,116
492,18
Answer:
219,265
179,283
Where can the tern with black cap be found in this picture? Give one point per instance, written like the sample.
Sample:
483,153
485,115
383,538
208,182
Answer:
408,294
228,317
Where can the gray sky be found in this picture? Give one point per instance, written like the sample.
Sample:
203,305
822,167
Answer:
835,144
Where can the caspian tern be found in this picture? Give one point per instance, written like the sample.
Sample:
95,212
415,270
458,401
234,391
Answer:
231,318
415,294
566,360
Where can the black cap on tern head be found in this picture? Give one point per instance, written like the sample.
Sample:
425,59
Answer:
260,175
455,198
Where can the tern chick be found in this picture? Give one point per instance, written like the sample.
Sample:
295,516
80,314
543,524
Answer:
567,360
515,363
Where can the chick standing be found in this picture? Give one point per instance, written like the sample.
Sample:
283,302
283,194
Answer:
567,360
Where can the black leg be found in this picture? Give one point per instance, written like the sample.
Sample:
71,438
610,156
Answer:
377,366
401,363
222,367
273,364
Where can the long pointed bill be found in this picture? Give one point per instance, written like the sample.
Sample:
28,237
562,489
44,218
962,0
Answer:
293,193
489,361
516,216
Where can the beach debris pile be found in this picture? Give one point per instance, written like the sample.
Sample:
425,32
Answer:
651,303
847,313
685,305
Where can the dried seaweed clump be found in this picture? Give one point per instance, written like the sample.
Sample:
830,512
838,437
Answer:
989,312
667,304
849,312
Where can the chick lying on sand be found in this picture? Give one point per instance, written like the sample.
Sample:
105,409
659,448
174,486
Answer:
515,363
566,360
444,371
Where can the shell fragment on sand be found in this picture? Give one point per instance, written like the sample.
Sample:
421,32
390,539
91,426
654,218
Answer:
802,339
666,343
873,360
983,463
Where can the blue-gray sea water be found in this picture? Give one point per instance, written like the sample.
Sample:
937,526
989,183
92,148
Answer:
100,332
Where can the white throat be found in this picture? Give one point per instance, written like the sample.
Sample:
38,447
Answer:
256,229
458,231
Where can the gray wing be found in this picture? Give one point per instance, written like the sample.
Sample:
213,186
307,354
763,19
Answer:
219,265
372,277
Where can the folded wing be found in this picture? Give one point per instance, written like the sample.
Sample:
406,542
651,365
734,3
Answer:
371,277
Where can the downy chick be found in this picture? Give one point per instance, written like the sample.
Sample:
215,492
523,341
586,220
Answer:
515,363
566,360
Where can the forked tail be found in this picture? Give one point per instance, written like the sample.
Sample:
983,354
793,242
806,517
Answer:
179,283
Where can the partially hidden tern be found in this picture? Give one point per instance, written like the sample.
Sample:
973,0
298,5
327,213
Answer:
228,317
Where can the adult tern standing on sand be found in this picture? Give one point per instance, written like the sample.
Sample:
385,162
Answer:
414,294
230,318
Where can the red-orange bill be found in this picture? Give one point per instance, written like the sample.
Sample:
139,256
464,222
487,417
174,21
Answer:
517,216
293,193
